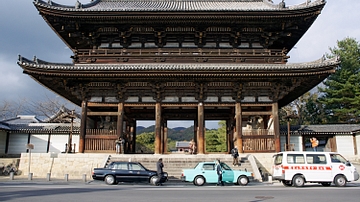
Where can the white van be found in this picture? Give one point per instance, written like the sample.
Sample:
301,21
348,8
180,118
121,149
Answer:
296,168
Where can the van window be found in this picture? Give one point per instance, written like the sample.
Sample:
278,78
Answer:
295,159
315,159
278,159
337,158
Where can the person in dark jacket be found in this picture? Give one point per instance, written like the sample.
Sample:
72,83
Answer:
219,173
159,170
235,155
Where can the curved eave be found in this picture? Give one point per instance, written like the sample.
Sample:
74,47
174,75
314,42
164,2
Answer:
99,7
39,67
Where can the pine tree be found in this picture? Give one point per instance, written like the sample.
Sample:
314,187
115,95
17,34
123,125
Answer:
341,92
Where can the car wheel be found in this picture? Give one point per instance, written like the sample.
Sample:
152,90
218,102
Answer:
153,180
243,180
298,181
326,184
340,181
286,183
199,181
109,179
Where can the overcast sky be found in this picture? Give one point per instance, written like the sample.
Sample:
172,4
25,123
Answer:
24,32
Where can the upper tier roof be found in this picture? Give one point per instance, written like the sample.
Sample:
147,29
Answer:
178,5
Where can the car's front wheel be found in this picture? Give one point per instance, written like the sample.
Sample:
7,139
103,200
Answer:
243,180
199,181
109,179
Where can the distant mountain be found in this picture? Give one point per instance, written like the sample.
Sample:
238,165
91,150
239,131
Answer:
177,134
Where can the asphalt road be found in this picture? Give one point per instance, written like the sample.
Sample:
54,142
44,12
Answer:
174,192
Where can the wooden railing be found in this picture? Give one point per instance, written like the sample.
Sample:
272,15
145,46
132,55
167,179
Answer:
100,140
258,140
100,132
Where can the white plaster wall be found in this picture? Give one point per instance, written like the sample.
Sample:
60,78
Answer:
17,143
40,143
345,144
57,143
358,147
297,140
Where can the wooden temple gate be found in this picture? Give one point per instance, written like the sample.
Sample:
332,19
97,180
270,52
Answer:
180,60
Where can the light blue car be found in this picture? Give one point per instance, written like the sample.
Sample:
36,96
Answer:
205,172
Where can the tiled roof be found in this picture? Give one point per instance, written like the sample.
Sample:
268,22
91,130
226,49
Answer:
45,128
322,129
4,126
176,5
22,119
39,64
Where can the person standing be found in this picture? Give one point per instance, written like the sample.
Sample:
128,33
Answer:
235,155
118,145
159,170
314,143
192,146
219,173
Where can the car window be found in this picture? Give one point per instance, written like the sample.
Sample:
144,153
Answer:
225,166
120,166
209,166
295,159
315,159
134,166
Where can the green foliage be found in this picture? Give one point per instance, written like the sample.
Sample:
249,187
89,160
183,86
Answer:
341,93
145,142
216,139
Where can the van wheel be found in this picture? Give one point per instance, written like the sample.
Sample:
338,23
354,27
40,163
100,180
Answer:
340,181
298,181
287,183
326,184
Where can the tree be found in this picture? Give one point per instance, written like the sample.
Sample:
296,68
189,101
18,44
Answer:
45,108
341,92
10,109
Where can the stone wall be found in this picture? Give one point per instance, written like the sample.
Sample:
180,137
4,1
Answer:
76,165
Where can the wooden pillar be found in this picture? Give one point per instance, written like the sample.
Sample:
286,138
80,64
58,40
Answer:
229,136
355,144
238,127
157,128
133,136
165,145
120,120
276,127
201,131
83,126
196,134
